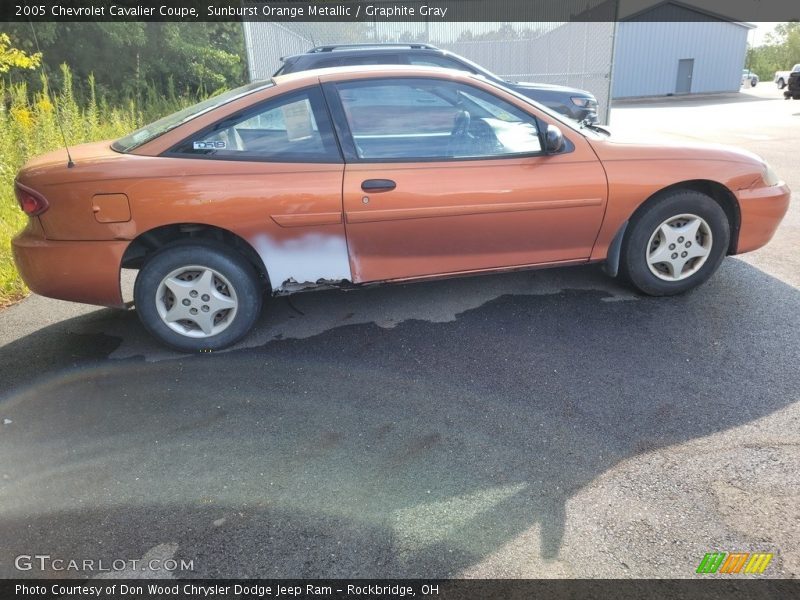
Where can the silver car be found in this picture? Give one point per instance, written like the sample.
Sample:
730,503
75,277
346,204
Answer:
749,78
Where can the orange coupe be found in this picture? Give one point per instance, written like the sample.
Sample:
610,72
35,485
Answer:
358,175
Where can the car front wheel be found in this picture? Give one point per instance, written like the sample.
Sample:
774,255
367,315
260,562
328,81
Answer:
675,244
781,84
197,297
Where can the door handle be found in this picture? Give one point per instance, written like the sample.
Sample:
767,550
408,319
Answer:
378,185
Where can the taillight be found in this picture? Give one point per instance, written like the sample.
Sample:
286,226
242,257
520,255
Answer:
32,203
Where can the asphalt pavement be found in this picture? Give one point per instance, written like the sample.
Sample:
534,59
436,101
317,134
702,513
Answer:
540,424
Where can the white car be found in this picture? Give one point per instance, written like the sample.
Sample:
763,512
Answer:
782,77
749,78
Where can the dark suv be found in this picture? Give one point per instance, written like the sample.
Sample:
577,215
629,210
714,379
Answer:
793,87
574,103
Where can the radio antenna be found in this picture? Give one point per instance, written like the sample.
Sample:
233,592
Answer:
70,164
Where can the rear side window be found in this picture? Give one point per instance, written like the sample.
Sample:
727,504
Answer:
322,64
337,59
292,128
367,59
170,122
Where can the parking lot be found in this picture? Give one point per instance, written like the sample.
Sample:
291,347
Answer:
540,424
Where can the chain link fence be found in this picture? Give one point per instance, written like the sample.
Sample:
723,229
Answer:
575,54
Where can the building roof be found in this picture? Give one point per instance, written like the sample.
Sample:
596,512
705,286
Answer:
674,10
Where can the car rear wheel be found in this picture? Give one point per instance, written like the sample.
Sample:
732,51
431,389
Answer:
675,244
198,296
753,82
781,84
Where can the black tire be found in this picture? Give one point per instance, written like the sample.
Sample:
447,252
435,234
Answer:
781,84
205,253
753,83
633,259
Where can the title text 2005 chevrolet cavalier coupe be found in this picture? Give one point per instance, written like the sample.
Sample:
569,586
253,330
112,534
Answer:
372,174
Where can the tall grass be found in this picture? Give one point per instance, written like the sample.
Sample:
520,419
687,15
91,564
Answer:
28,127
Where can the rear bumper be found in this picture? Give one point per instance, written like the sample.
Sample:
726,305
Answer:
762,210
76,271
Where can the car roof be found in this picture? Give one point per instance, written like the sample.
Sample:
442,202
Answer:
389,70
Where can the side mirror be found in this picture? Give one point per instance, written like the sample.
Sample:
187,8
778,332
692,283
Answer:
553,140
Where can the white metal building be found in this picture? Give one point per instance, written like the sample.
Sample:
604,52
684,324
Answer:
675,49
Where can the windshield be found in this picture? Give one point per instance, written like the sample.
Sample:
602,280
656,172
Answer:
162,126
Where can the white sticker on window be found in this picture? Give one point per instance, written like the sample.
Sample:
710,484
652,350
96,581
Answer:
208,145
297,117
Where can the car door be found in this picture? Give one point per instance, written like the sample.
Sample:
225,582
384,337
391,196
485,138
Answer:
444,177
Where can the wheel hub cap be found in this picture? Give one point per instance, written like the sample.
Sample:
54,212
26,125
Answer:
196,301
679,247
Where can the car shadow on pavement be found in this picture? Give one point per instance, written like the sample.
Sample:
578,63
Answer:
417,450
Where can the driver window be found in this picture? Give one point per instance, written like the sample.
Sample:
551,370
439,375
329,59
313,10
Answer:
286,129
398,119
409,119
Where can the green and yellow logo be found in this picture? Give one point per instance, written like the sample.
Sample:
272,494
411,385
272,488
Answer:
734,563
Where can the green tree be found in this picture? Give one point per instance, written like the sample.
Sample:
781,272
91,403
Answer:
128,58
780,51
14,58
199,57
